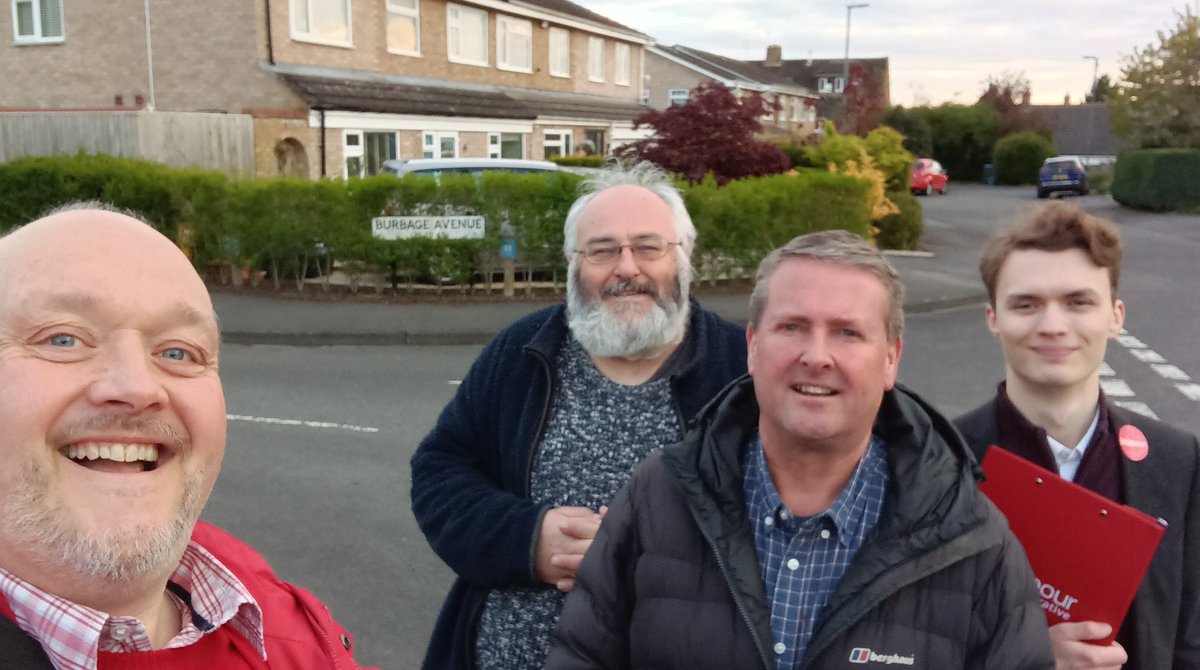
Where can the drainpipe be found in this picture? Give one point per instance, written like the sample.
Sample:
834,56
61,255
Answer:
323,171
149,55
270,42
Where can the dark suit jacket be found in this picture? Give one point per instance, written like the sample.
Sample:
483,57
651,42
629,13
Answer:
1166,484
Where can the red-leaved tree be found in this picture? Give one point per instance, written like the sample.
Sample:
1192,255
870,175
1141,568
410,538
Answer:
712,132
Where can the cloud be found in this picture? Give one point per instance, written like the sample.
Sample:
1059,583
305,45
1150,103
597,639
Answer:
941,50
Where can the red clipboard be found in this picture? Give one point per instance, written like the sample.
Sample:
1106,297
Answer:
1089,554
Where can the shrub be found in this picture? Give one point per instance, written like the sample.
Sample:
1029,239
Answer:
903,229
580,161
1158,180
289,226
1018,157
739,223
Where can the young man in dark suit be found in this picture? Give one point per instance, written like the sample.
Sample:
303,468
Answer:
1052,304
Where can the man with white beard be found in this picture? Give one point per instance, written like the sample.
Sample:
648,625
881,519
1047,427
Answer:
511,484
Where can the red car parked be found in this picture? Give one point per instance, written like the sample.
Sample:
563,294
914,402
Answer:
928,176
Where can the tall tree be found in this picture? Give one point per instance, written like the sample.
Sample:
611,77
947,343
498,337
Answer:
863,110
1104,90
1008,94
712,132
1157,103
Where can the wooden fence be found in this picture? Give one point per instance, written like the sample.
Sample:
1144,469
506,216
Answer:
222,142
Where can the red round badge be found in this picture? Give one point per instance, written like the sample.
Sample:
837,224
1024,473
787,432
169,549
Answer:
1133,442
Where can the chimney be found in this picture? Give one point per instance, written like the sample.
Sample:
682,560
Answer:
1067,99
774,56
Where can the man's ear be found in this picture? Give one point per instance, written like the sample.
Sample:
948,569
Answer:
750,349
989,315
1118,318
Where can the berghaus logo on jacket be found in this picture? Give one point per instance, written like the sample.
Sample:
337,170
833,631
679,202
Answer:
865,655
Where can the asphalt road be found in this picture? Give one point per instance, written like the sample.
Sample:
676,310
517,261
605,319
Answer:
316,473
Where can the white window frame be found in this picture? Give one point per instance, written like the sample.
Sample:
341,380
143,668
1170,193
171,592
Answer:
824,85
413,13
565,141
596,58
494,145
560,52
508,34
797,107
431,143
35,8
622,60
677,96
309,35
351,151
454,15
839,86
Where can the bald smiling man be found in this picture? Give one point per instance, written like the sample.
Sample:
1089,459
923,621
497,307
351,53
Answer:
112,431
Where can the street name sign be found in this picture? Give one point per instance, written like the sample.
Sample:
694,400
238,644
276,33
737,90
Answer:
407,227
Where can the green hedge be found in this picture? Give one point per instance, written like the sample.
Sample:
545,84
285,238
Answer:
580,161
902,230
739,223
289,227
1018,157
1158,180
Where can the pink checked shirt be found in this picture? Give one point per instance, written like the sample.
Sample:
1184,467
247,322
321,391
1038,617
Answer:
72,634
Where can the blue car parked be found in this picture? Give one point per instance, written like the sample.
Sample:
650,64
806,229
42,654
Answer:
1062,173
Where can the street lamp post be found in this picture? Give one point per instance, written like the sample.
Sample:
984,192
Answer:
1095,69
846,61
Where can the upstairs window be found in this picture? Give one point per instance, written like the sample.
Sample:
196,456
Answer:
404,27
596,59
621,64
37,21
466,35
560,52
322,21
677,96
514,44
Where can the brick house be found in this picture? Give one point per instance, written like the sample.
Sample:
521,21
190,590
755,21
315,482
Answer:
335,87
826,77
673,71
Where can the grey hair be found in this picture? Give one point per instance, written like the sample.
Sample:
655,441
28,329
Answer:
838,247
647,175
100,205
81,205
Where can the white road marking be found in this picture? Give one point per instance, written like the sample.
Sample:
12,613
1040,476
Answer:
1147,355
1136,406
1131,342
302,423
1116,388
1192,391
1171,372
455,382
1106,370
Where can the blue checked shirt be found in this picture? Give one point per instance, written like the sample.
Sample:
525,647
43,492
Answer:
804,558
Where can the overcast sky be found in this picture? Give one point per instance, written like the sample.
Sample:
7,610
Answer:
939,50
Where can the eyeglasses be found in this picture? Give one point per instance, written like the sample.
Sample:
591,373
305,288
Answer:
645,249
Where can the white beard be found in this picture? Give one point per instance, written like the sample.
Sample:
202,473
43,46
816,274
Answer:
619,332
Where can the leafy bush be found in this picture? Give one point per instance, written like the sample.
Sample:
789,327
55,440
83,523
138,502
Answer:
1158,180
580,161
739,223
289,226
1018,157
963,137
903,229
713,132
